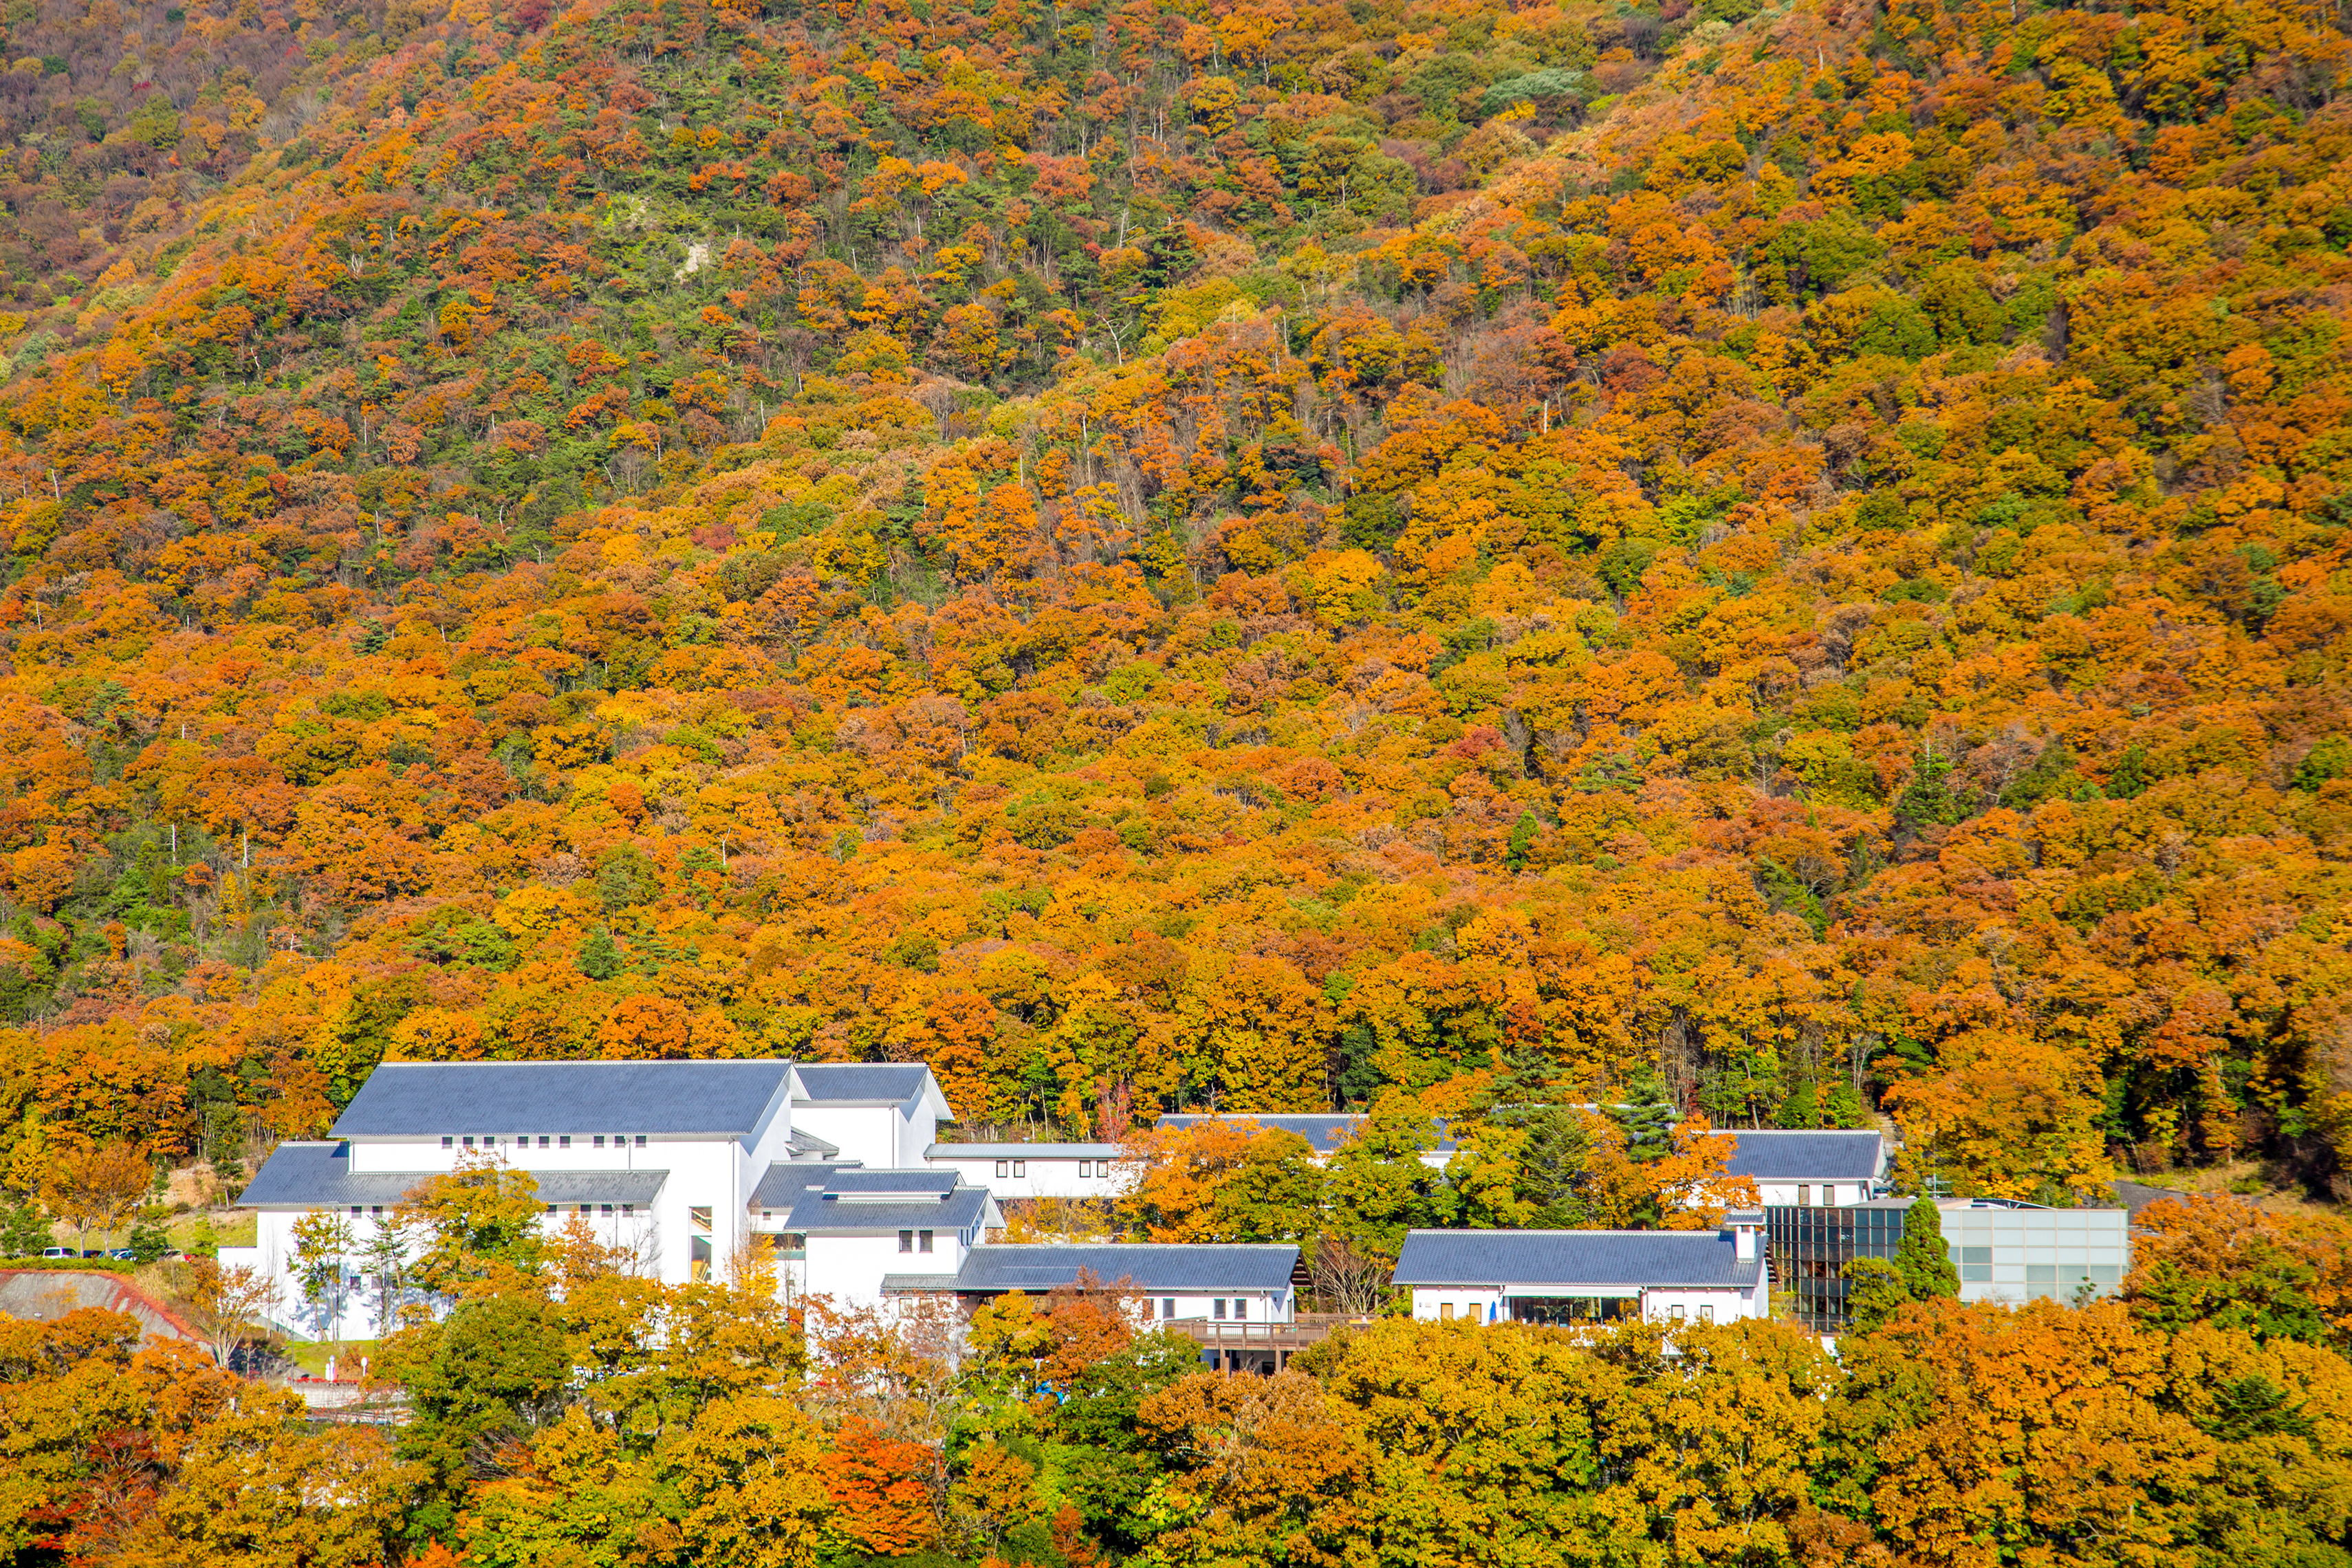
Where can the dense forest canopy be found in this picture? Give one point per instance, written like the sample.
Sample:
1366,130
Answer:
1785,562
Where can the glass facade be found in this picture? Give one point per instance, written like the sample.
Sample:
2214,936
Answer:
1555,1311
2002,1252
1809,1248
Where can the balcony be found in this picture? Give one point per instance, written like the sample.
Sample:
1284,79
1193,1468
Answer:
1279,1339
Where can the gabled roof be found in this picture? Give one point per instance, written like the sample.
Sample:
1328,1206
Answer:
1772,1155
1140,1265
320,1175
423,1100
917,1284
1580,1259
859,1185
782,1187
1323,1131
824,1200
1022,1151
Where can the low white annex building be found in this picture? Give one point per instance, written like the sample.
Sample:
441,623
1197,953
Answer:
1566,1277
1233,1284
1009,1171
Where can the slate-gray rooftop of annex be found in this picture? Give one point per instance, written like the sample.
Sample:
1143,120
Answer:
1144,1266
1589,1258
862,1083
835,1200
1774,1155
320,1175
1325,1130
422,1100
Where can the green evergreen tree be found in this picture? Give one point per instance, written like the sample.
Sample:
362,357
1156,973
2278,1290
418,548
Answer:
1922,1258
1873,1289
24,1230
599,955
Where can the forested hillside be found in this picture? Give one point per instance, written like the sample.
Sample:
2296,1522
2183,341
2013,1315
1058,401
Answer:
1789,562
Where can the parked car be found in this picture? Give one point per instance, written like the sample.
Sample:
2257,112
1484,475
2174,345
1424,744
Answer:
59,1252
123,1255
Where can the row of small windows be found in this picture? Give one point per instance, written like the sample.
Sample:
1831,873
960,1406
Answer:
562,1141
587,1211
915,1240
1087,1168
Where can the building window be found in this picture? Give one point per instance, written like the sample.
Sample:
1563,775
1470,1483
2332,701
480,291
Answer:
550,1208
587,1209
1445,1310
620,1139
608,1211
1241,1309
1004,1168
448,1143
598,1143
1804,1195
1217,1308
1674,1314
1086,1169
1168,1307
543,1140
470,1141
1707,1314
699,1219
767,1215
906,1241
641,1140
628,1209
375,1210
1021,1167
923,1241
562,1141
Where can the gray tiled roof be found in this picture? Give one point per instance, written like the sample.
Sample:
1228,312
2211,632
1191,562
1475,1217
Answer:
877,1200
1142,1266
860,1184
900,1284
411,1099
1574,1257
315,1175
1799,1156
1022,1151
782,1187
862,1083
1325,1130
784,1184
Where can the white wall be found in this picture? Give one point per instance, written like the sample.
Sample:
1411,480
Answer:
1471,1301
1483,1303
1659,1306
1819,1194
872,1135
1047,1177
1257,1306
848,1268
273,1254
